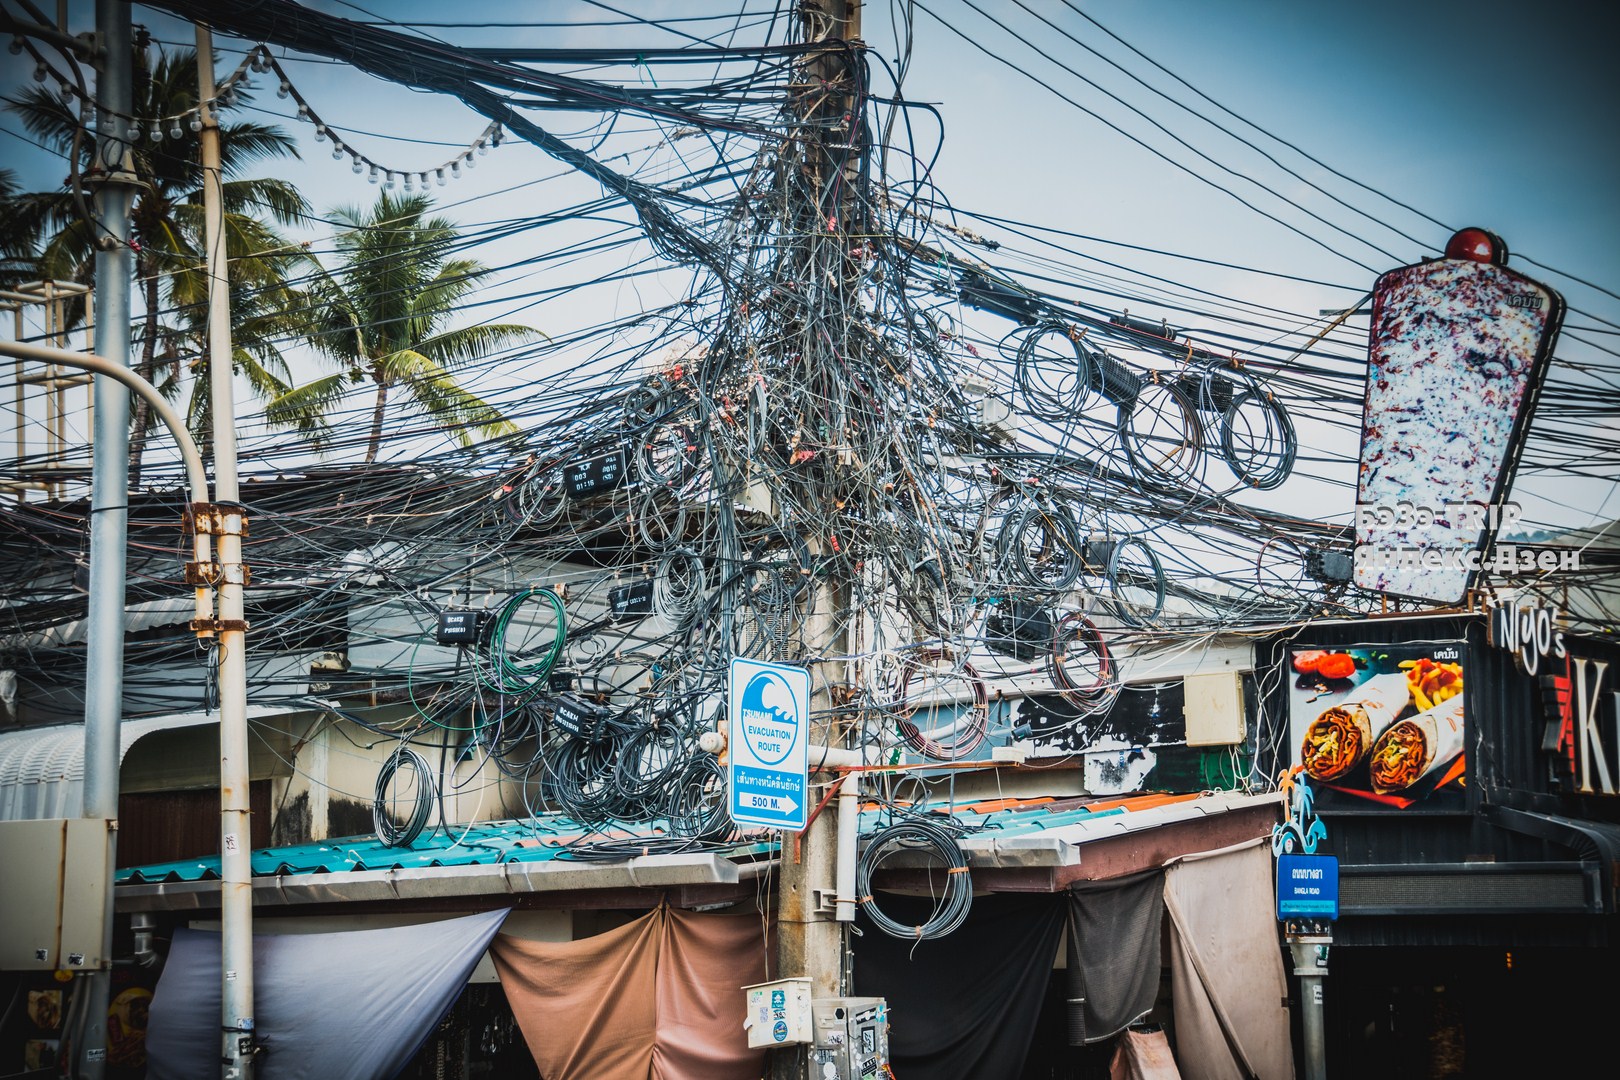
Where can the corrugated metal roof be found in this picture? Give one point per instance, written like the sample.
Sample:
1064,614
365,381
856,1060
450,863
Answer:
541,839
142,615
553,836
42,768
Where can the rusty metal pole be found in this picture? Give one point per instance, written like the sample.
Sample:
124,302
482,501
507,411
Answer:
228,522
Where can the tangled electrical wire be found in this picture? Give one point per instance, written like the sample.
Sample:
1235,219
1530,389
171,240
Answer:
828,451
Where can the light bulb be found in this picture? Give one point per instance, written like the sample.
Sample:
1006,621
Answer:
195,123
16,46
134,134
156,134
356,166
455,169
303,112
421,181
320,132
175,131
482,149
227,99
337,150
86,113
40,72
472,162
284,89
373,176
439,174
409,180
389,182
65,92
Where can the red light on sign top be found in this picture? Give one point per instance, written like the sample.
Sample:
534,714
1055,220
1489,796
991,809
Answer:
1477,245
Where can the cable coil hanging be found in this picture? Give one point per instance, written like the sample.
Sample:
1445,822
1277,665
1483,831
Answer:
919,834
389,831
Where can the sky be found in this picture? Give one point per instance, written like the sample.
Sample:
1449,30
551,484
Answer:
1477,113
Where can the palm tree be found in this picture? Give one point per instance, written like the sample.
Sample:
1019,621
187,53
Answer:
381,316
19,234
166,221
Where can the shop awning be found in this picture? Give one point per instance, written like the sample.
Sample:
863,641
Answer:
42,769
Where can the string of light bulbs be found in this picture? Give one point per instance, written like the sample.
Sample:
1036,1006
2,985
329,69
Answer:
259,61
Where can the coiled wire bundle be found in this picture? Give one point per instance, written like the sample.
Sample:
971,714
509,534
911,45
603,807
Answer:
917,835
391,832
514,671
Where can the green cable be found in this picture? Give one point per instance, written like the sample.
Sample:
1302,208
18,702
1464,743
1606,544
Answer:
515,677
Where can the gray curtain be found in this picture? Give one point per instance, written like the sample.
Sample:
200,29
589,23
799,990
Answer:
1114,954
1226,967
354,1005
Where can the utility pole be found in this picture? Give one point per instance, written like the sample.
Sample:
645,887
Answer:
226,520
809,941
109,490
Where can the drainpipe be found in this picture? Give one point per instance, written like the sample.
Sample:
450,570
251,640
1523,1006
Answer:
849,820
849,809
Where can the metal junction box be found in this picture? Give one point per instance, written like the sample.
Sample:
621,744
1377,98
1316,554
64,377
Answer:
53,894
851,1039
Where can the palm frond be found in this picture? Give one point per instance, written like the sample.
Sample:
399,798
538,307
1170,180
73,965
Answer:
457,347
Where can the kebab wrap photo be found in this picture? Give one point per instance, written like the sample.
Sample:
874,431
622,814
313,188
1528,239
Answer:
1416,747
1340,736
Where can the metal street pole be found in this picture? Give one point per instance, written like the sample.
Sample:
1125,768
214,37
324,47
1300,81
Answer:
1310,955
228,524
109,489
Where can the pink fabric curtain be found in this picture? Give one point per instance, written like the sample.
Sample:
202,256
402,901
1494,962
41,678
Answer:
658,999
1143,1055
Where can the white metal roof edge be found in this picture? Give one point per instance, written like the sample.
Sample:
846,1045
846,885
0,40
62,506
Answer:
449,882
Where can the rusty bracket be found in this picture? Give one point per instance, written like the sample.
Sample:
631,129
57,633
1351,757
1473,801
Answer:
212,574
216,519
219,626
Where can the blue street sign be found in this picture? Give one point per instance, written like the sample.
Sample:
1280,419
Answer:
1307,887
768,706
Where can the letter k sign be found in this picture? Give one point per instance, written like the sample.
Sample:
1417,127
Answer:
1587,736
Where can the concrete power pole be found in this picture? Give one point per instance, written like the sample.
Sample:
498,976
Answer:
227,522
809,941
109,487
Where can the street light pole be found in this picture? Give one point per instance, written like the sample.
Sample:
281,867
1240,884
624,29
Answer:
228,522
109,488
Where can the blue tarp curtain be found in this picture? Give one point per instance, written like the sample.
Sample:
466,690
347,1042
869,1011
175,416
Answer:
353,1005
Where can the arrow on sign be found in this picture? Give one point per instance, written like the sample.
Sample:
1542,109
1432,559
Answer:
775,804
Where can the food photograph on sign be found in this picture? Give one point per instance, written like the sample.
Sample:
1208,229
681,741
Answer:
1381,726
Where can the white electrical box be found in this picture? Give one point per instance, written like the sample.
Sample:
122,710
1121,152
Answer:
1213,707
53,894
778,1012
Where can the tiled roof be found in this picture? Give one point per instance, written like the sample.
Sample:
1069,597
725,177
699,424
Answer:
551,837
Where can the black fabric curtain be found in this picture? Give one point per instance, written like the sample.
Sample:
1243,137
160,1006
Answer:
1114,955
962,1007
